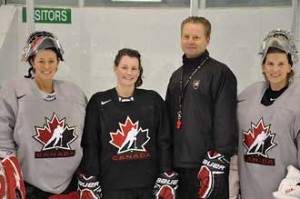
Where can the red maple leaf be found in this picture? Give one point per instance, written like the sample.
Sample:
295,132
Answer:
45,133
117,138
255,130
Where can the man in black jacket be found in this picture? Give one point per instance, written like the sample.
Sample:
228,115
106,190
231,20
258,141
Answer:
201,100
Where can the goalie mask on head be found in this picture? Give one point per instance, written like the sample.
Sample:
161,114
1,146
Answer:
41,40
282,40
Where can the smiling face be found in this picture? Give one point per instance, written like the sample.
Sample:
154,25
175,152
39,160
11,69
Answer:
45,64
276,69
127,72
194,39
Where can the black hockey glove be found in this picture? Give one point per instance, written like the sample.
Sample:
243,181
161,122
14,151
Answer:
89,187
213,176
166,185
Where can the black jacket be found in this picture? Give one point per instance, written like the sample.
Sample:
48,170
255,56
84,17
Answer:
209,111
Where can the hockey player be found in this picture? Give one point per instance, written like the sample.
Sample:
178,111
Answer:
126,141
35,110
269,123
56,136
201,99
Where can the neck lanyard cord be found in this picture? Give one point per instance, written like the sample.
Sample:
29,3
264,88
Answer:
183,89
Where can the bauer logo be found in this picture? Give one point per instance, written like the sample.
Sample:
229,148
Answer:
167,181
49,15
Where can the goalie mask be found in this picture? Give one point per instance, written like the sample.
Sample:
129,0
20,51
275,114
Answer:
280,39
41,40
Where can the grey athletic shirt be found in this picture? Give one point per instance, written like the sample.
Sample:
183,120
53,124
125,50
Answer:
269,139
45,135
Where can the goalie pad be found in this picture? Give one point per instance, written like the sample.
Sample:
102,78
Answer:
213,176
12,184
89,187
289,187
166,185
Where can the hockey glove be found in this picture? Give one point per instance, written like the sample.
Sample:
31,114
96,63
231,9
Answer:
289,187
166,185
213,176
11,179
89,187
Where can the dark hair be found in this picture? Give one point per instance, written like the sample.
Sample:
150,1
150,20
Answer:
198,20
277,50
31,70
290,76
131,53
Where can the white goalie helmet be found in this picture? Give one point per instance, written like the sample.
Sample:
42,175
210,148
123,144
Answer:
280,39
41,40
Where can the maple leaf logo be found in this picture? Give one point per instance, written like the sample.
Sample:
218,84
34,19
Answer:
259,140
129,137
55,134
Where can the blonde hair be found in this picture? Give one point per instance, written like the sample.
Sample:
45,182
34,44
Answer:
198,20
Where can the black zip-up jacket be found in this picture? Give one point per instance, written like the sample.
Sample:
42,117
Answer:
208,113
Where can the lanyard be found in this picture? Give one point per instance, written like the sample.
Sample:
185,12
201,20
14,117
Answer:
182,91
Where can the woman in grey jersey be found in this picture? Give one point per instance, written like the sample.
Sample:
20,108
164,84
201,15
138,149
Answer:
41,121
269,121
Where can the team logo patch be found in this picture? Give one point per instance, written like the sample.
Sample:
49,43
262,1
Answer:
196,84
56,137
130,139
258,141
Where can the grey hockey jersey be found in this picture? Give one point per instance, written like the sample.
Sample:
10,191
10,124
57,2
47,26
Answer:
268,139
45,135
